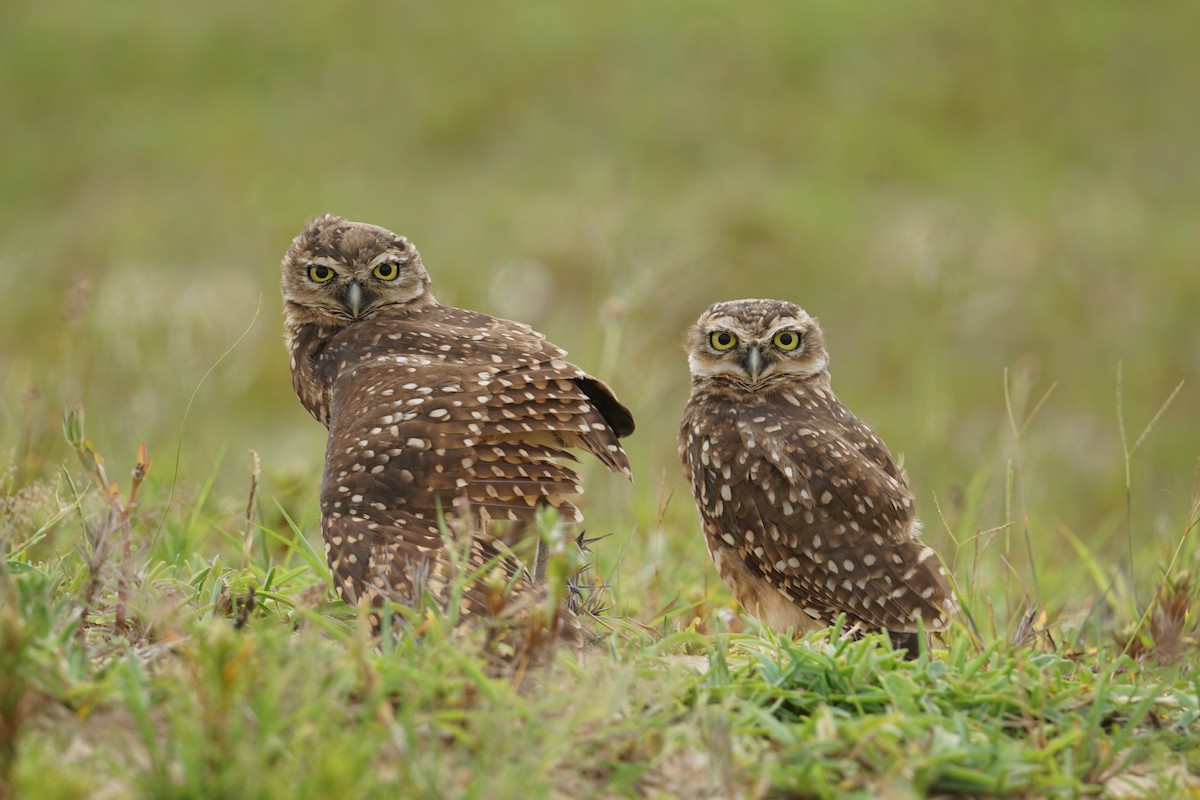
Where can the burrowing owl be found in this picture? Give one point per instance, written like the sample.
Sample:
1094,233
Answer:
430,409
805,513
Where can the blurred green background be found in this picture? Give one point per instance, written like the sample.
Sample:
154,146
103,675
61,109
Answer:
955,191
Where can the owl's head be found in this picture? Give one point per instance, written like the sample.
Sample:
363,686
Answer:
338,271
751,344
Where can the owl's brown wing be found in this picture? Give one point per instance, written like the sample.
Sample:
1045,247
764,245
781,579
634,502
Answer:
813,504
853,518
452,412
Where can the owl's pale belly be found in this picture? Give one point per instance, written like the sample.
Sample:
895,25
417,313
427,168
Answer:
759,598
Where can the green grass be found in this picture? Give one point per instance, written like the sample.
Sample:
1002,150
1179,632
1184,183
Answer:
992,211
175,673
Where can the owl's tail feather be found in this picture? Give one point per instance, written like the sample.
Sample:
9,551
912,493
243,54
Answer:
467,577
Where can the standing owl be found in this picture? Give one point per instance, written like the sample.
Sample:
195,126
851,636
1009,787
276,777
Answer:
805,513
432,412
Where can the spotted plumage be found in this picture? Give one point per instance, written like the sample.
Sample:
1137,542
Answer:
430,409
805,513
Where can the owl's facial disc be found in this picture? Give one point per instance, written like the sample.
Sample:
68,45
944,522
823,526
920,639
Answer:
357,291
750,347
340,271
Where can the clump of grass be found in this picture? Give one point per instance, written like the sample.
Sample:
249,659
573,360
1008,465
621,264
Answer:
13,643
834,716
109,530
1168,632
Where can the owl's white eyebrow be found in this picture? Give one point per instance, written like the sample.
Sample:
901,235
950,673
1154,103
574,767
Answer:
389,255
322,261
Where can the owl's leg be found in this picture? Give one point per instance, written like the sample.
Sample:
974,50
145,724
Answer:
541,560
908,642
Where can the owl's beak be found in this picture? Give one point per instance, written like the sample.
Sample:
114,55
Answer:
755,363
354,298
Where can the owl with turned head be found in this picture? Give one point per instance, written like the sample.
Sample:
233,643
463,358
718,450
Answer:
804,511
435,414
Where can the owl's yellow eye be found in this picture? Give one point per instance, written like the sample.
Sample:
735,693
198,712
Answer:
319,273
787,340
387,271
722,340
